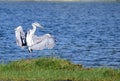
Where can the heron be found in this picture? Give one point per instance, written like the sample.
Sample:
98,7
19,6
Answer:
32,41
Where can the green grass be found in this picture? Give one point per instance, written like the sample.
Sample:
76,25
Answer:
54,69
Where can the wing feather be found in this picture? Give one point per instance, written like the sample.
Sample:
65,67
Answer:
20,36
42,42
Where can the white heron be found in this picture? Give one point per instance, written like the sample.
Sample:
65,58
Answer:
33,42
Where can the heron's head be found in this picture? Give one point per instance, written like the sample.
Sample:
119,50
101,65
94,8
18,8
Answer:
37,25
18,28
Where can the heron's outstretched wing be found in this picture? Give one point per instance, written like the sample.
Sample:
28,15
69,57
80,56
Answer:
20,36
42,42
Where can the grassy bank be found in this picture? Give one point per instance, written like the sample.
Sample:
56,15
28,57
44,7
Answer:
53,69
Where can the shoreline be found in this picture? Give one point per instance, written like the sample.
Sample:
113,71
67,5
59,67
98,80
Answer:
54,69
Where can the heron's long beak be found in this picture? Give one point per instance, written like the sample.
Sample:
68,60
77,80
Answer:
41,27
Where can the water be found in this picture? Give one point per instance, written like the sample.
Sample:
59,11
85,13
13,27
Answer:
86,33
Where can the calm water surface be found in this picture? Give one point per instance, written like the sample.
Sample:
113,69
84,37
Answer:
86,33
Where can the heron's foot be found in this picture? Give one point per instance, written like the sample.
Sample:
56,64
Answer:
30,50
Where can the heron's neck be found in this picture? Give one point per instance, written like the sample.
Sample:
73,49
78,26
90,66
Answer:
34,29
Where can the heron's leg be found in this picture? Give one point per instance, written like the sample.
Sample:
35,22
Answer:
29,49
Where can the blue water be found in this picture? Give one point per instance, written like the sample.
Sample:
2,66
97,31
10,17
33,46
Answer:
86,33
